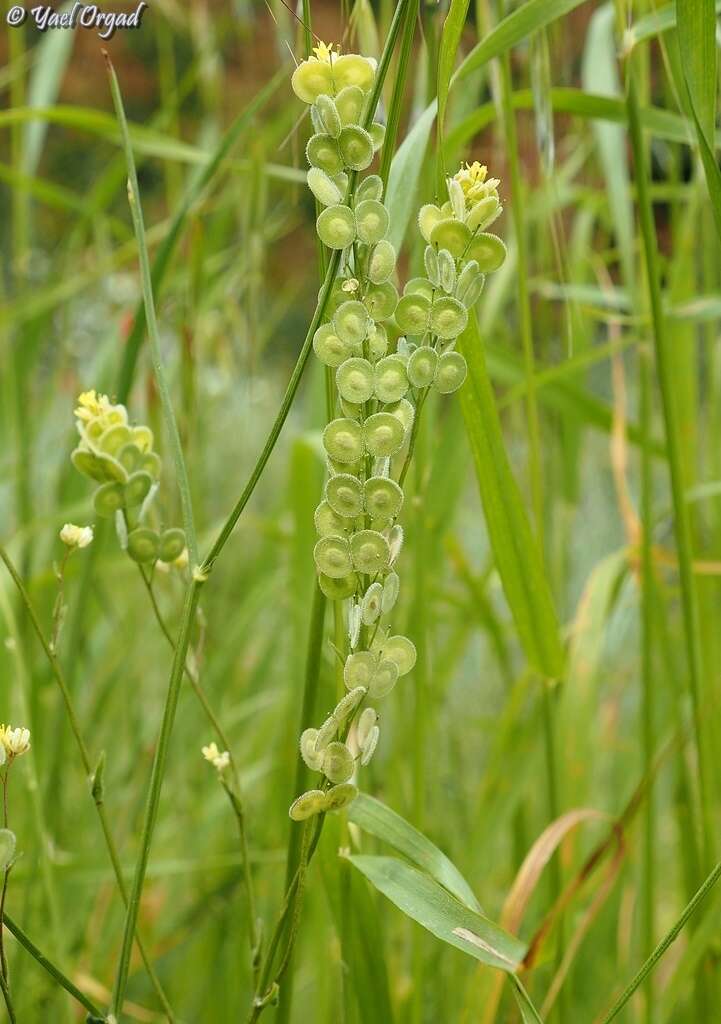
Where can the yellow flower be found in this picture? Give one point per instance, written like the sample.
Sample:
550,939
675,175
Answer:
76,536
475,185
325,54
14,741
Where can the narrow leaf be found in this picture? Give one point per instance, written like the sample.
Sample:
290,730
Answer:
405,173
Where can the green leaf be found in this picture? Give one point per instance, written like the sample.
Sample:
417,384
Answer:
697,43
375,817
448,49
428,903
514,549
653,24
404,175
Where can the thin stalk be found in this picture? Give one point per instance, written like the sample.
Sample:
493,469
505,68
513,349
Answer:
399,86
5,988
253,930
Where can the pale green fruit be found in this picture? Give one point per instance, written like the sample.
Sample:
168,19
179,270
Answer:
351,322
343,439
311,79
451,373
451,234
449,317
325,734
457,198
382,261
352,69
329,347
447,271
401,651
114,438
489,250
383,434
419,286
413,313
329,115
381,300
344,494
428,217
108,499
404,412
172,545
377,132
369,551
338,763
137,488
323,187
143,544
355,380
383,497
391,379
356,147
370,188
308,804
384,678
430,260
339,797
371,604
377,342
366,723
391,588
322,152
347,705
332,557
368,748
349,104
338,590
359,669
327,521
483,214
336,226
422,366
312,758
372,221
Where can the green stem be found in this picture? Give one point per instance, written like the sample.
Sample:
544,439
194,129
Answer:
5,988
253,931
399,85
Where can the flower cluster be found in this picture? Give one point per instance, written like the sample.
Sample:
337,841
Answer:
387,351
219,760
13,742
120,457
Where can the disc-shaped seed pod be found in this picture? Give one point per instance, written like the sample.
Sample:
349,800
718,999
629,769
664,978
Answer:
312,758
327,522
326,733
352,69
328,114
457,198
377,132
428,216
323,187
343,439
381,300
377,342
371,604
404,412
413,313
449,317
354,380
351,322
369,551
419,286
336,226
358,669
447,271
96,466
143,544
315,119
391,588
384,678
322,151
483,214
172,544
307,804
395,541
372,220
338,763
451,234
383,434
353,411
137,487
430,261
338,590
344,494
130,457
332,557
356,147
470,293
114,438
451,373
340,796
311,79
382,261
489,250
365,724
108,499
391,379
383,497
422,366
402,651
329,347
369,747
151,462
348,703
349,104
341,180
334,466
371,187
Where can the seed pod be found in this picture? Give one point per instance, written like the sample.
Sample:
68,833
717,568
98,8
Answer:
371,187
150,462
469,273
334,466
483,214
322,151
395,541
354,412
383,497
430,260
404,412
384,678
369,747
349,104
313,758
451,234
343,439
448,317
352,69
347,704
351,322
381,300
89,464
338,590
323,187
412,314
420,286
143,544
330,349
114,438
130,457
356,147
339,797
336,298
489,250
457,198
447,271
369,551
332,557
377,132
328,114
452,370
172,545
371,604
383,434
344,494
341,180
391,379
354,624
428,216
338,763
311,79
377,342
336,226
402,651
308,804
358,669
108,499
327,521
372,221
315,119
354,380
422,366
471,291
382,260
391,587
137,487
325,734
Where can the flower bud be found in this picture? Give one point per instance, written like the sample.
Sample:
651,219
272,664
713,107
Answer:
356,147
332,557
343,439
451,373
369,551
383,497
383,434
344,494
355,380
336,226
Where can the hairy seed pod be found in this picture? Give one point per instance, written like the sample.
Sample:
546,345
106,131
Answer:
137,487
323,187
344,494
369,747
381,300
341,180
354,380
449,317
402,651
452,370
372,220
329,115
353,411
130,457
371,604
354,624
419,286
172,545
329,347
382,261
343,439
338,590
338,763
430,261
366,723
308,804
327,522
340,796
404,412
489,250
352,69
428,216
422,366
114,438
377,132
334,466
384,678
92,465
447,271
470,272
377,342
413,313
483,214
351,322
312,758
370,188
391,587
457,198
336,226
325,734
311,79
369,551
346,705
143,544
395,541
383,497
322,152
383,434
391,379
349,104
316,120
108,499
356,147
332,557
358,669
453,235
470,293
151,462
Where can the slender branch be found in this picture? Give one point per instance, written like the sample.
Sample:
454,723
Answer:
8,1000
